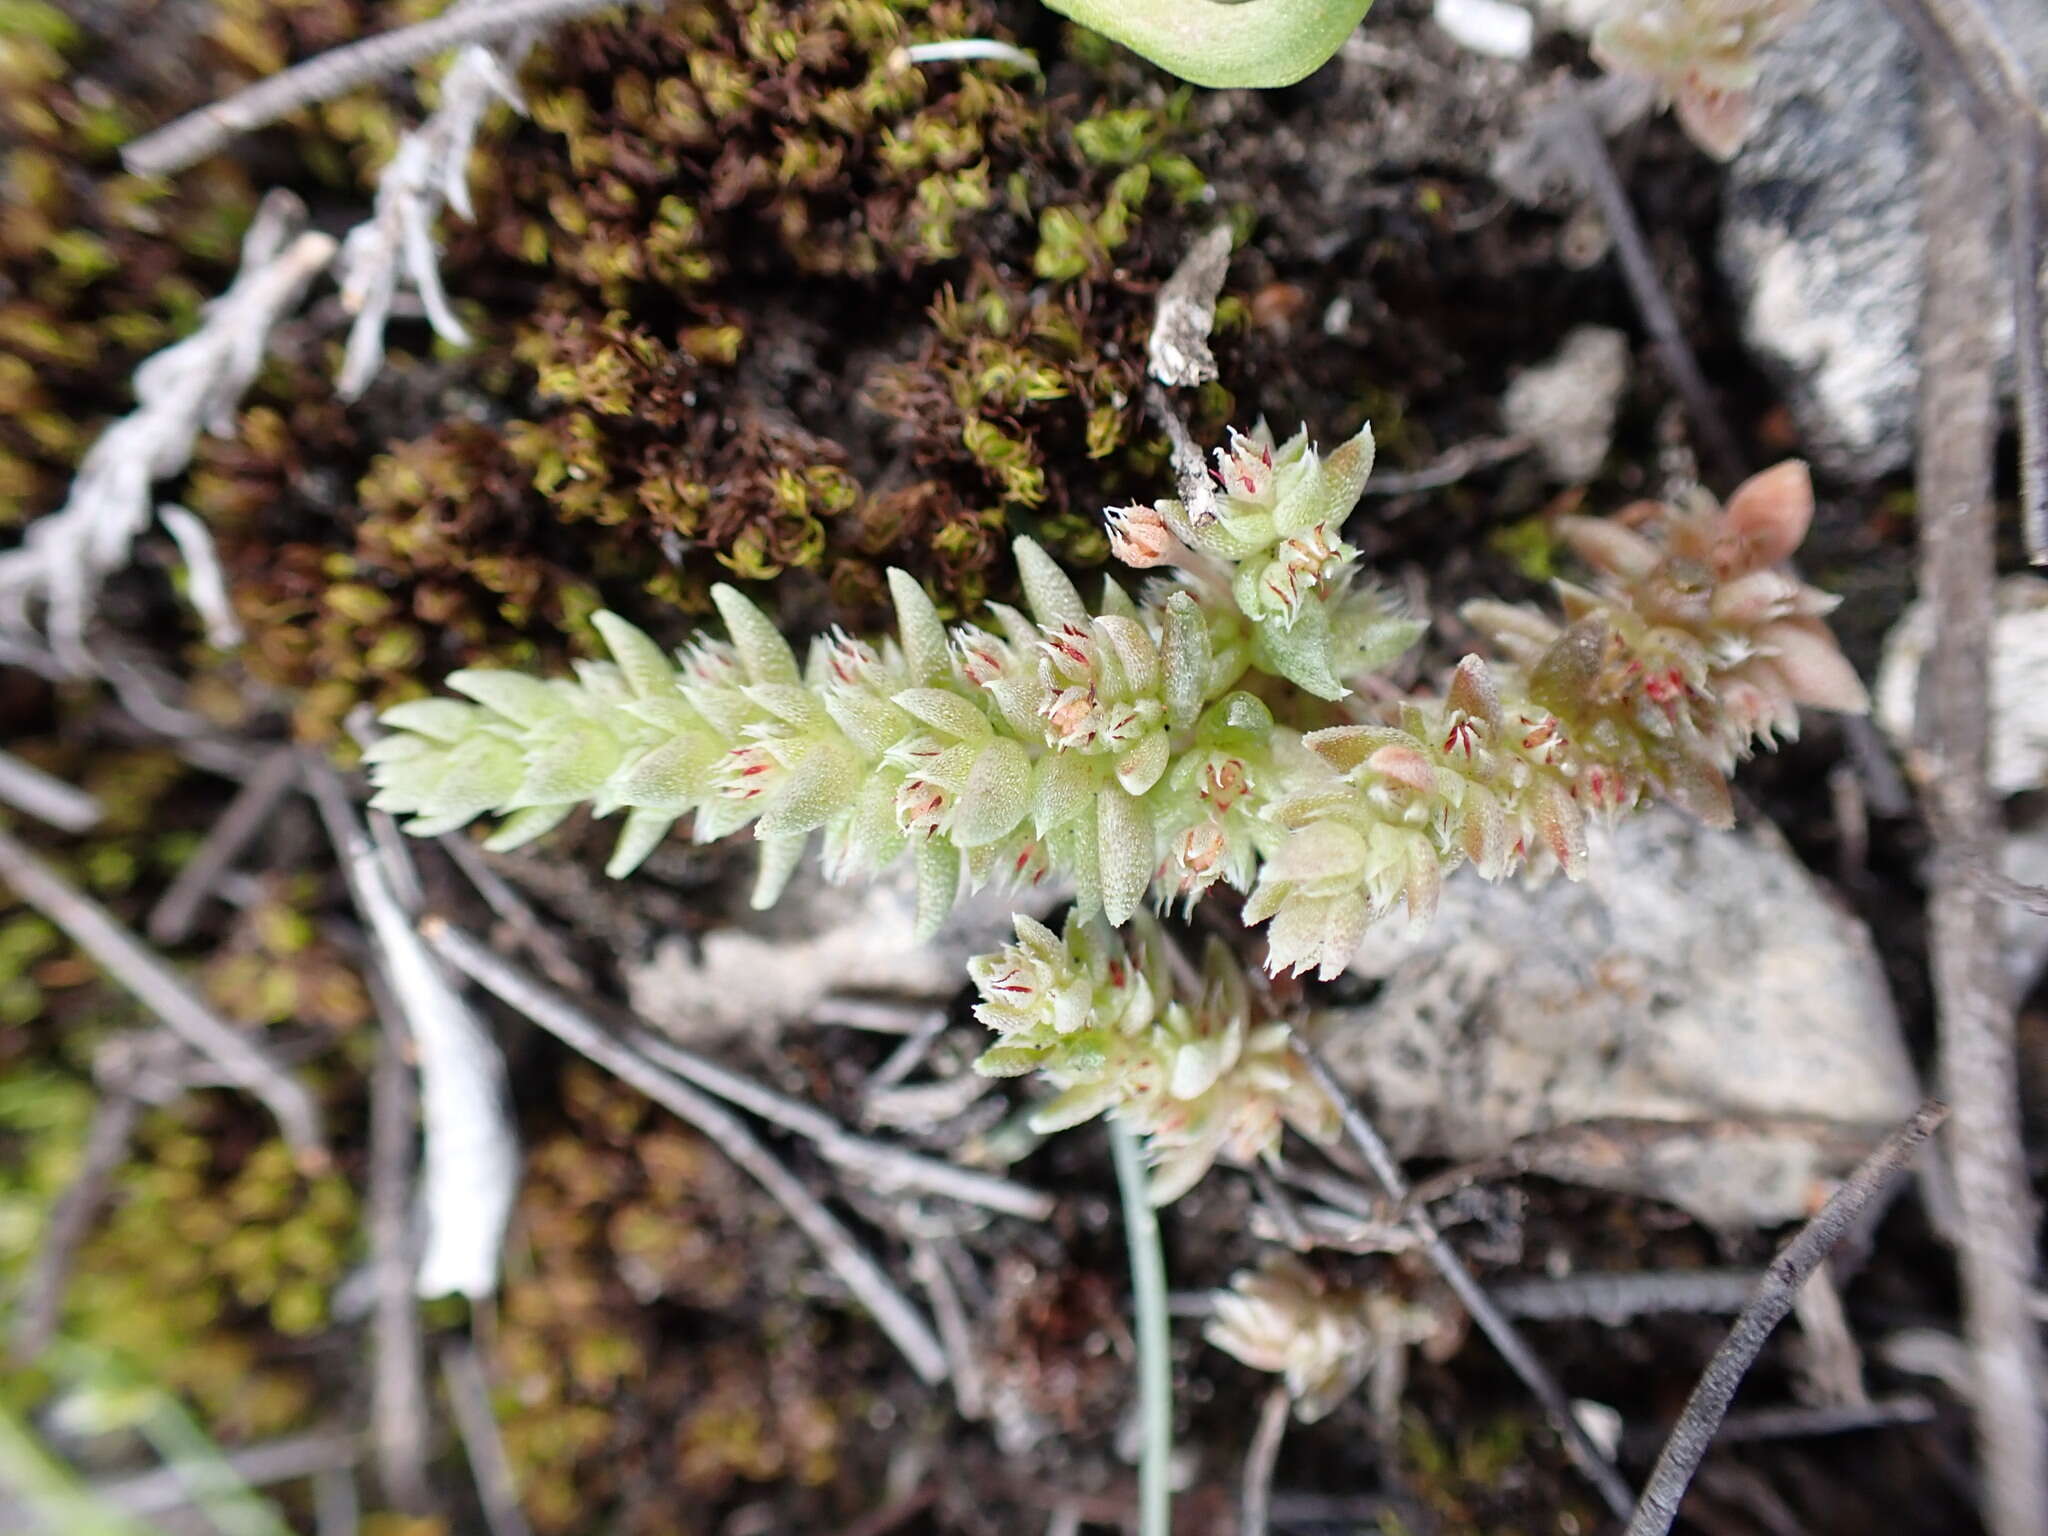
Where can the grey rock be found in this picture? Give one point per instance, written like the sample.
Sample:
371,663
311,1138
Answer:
1820,230
2019,683
769,970
1697,1022
2019,741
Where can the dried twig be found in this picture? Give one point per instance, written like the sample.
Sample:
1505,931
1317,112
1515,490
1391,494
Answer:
890,1167
394,247
398,1354
171,919
469,1395
1586,153
534,936
206,584
50,800
1612,1299
1803,1421
1774,1296
1255,1507
1599,1470
1973,1010
1450,467
189,387
471,1167
575,1029
243,1060
970,1385
198,134
1963,45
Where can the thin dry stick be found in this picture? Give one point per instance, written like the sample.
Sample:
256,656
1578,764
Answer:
970,1388
398,1355
1963,44
1589,159
535,937
904,1324
242,1059
170,921
1450,467
1491,1320
42,1289
891,1167
1973,1008
192,138
1774,1297
469,1394
50,800
1613,1299
1255,1508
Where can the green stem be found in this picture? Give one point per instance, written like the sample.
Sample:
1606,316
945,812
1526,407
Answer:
1155,1346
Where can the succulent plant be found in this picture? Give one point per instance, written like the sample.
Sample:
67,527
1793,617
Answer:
1225,42
1132,749
1200,1073
1702,54
1320,1339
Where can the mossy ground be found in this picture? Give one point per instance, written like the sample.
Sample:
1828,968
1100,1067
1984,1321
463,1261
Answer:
751,301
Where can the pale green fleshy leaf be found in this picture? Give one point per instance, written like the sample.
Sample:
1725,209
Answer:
791,704
639,835
522,827
1048,593
1135,654
1116,602
448,720
1300,654
946,711
997,795
1074,1107
1185,660
871,724
1007,1061
570,768
938,884
763,653
1124,852
1139,768
521,699
1064,786
779,859
919,630
669,778
645,667
1328,490
822,783
482,775
1259,43
401,745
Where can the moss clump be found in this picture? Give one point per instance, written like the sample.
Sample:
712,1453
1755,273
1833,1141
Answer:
648,1301
731,206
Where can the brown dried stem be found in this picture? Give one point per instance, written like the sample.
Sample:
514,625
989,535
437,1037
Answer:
1774,1296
